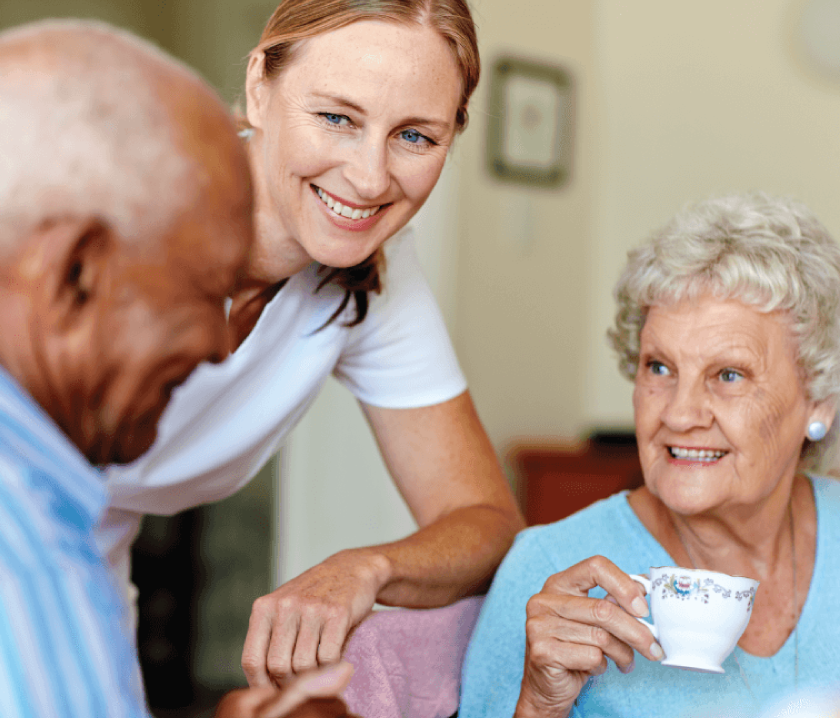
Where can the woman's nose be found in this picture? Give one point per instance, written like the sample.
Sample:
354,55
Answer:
367,169
688,406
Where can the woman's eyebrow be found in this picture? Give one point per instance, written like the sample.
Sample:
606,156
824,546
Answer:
441,125
338,99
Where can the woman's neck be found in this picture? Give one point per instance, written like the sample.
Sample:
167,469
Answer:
777,547
742,541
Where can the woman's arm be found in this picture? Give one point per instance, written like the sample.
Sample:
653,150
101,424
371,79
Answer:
443,464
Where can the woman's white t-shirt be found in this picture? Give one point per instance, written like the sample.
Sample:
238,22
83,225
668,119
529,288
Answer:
228,419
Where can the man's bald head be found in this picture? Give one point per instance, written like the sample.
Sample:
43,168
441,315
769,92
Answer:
125,220
96,121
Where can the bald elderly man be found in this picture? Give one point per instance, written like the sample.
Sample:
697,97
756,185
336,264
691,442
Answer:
125,217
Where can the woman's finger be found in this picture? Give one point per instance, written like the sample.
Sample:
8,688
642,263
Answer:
563,634
305,654
256,648
284,633
602,614
599,571
333,636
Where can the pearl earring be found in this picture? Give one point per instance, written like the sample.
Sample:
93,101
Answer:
817,430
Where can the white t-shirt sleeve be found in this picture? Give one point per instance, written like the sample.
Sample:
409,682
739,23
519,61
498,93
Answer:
401,356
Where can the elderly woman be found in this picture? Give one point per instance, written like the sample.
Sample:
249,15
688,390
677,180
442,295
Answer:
729,326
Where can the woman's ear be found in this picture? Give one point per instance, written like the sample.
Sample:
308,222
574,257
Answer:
255,94
824,411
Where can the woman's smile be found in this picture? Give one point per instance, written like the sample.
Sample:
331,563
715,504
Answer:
349,215
685,455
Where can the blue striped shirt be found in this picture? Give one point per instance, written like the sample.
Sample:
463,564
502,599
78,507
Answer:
64,648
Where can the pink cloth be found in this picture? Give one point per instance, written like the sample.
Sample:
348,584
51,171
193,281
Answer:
408,662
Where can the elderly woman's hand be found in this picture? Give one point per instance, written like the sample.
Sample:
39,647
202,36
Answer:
569,636
305,622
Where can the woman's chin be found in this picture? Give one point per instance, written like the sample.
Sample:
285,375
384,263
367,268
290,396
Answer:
684,499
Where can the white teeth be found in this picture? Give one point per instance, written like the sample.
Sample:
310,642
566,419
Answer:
707,455
343,210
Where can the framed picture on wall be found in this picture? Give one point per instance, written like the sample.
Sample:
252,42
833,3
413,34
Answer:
529,137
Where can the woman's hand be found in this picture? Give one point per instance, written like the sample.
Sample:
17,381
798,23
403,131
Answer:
311,696
305,622
569,636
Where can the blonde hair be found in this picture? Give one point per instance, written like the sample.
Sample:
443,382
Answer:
296,20
767,252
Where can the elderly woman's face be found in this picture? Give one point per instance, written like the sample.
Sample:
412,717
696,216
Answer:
355,135
721,409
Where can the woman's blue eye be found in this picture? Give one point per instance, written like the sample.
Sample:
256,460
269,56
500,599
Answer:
333,118
658,368
412,136
730,375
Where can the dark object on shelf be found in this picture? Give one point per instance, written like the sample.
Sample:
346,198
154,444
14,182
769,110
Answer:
166,572
557,480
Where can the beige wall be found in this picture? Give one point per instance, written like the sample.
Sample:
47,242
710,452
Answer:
521,302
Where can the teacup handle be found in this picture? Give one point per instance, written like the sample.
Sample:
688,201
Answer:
646,584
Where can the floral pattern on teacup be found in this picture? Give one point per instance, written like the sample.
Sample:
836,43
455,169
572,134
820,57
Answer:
685,588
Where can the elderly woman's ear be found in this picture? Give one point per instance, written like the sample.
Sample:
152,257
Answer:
821,419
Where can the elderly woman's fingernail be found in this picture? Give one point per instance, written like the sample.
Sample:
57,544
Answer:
656,651
639,605
628,668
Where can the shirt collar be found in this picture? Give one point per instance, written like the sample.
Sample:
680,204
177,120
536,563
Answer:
28,431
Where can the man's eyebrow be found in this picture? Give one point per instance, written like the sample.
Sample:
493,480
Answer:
428,121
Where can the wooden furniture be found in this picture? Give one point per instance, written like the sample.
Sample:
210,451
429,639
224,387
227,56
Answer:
558,479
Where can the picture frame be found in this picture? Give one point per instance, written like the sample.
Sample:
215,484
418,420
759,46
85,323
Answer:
529,137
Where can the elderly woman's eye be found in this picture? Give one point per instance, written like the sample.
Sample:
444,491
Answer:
730,376
658,368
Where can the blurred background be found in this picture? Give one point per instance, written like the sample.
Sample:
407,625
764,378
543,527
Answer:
668,103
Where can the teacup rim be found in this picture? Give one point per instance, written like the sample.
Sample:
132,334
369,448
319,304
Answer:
708,570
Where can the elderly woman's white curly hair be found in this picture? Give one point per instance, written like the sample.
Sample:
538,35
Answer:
771,253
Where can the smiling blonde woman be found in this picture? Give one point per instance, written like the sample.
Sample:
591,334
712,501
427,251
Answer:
352,108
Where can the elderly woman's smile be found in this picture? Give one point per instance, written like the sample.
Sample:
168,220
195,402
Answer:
719,403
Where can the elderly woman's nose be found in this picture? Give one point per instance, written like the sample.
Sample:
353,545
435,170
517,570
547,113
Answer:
367,169
687,406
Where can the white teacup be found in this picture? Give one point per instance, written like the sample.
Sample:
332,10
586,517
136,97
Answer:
698,616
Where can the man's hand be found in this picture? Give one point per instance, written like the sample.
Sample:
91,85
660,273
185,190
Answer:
313,695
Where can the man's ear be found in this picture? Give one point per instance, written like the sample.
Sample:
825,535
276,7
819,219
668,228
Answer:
255,89
73,254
